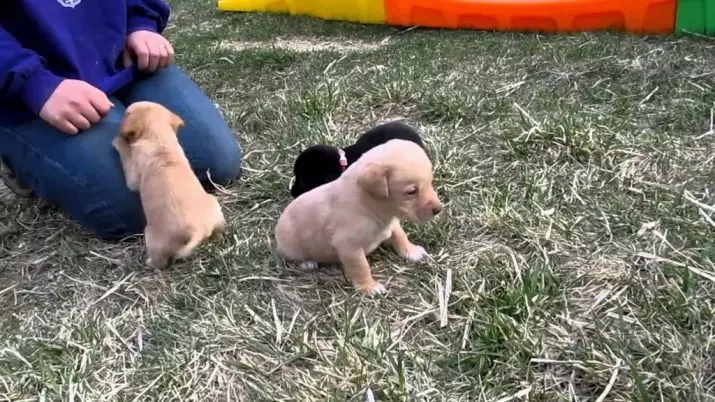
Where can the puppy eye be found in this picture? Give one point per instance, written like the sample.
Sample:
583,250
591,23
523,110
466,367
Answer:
412,191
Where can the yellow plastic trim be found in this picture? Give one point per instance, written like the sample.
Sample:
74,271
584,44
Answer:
360,11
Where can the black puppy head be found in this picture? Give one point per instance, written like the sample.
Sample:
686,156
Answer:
394,130
314,167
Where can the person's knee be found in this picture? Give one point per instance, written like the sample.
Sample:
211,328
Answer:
226,165
222,148
213,149
113,215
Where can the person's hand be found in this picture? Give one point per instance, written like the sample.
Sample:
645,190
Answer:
75,105
152,51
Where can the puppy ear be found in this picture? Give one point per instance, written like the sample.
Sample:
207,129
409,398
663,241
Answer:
129,129
374,181
297,188
176,122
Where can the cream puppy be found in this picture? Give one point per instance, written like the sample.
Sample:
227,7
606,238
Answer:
180,214
347,219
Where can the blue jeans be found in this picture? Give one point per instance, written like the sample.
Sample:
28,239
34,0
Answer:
82,174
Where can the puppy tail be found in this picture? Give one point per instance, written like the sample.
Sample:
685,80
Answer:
191,242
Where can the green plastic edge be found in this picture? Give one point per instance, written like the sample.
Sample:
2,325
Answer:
695,16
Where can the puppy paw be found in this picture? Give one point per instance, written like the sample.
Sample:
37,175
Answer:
308,265
151,263
376,288
379,288
157,264
416,253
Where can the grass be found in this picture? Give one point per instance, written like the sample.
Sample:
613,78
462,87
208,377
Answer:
574,259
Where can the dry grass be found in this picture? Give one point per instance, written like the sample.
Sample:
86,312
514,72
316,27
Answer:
574,260
298,45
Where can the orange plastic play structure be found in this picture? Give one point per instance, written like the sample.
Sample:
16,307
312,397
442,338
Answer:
638,16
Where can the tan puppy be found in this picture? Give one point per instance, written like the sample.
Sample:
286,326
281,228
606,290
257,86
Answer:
348,218
180,214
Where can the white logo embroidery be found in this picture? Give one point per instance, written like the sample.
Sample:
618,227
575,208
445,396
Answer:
69,3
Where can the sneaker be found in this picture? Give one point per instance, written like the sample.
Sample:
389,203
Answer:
12,183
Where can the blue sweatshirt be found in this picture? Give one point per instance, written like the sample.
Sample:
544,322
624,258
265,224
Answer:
45,41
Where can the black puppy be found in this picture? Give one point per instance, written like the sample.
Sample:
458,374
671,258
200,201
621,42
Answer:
322,164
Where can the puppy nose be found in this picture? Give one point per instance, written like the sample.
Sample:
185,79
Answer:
436,210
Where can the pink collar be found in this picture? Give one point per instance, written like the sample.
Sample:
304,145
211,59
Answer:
343,159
